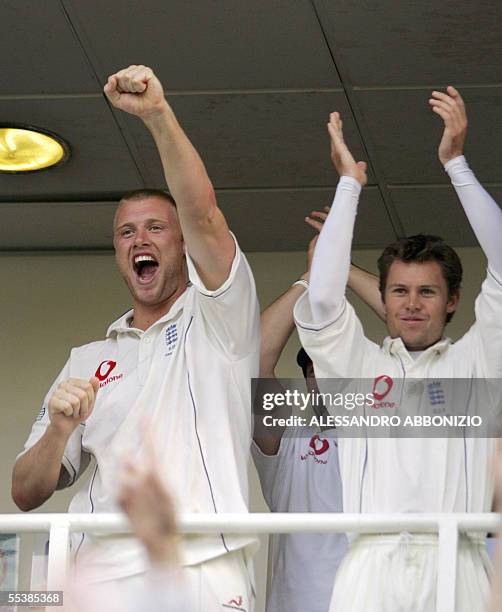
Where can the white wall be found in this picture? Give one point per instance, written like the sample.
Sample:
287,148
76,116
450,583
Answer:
51,302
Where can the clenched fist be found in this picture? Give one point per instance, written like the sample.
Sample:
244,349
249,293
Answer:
136,90
72,403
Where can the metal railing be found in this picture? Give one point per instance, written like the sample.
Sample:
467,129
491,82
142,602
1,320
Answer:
448,527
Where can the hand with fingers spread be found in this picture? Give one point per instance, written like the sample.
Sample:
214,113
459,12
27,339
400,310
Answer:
341,157
136,90
451,108
72,403
146,501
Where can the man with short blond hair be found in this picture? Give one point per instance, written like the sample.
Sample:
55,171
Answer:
182,357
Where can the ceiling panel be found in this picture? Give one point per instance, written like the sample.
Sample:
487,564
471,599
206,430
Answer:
404,42
39,53
66,225
404,134
274,220
262,221
99,163
253,84
258,140
436,210
215,44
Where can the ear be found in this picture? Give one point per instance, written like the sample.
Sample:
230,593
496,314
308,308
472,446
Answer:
452,304
384,306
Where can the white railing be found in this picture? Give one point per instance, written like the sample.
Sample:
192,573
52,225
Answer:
448,526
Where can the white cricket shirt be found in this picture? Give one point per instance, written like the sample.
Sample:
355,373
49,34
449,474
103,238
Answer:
189,374
404,474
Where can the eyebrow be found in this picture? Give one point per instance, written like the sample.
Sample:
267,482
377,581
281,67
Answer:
426,286
147,221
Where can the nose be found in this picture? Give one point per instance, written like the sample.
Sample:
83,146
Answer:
414,301
141,236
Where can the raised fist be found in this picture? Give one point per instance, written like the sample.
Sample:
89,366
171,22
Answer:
72,403
136,90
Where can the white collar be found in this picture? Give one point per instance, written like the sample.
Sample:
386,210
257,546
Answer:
394,346
122,325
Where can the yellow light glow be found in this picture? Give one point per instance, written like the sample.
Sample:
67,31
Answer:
24,150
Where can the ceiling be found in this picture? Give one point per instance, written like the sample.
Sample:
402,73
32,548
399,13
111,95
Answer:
253,83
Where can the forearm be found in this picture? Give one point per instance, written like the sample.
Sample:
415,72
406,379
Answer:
331,263
184,170
266,433
36,473
483,212
277,325
204,228
366,286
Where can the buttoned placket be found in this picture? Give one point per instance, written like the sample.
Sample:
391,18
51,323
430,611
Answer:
146,349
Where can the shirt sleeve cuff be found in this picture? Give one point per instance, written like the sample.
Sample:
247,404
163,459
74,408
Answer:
456,164
303,314
199,285
350,183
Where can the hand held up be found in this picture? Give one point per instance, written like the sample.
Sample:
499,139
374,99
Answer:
341,157
136,90
451,108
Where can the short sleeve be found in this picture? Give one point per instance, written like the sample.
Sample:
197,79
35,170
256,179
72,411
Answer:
336,347
74,459
231,312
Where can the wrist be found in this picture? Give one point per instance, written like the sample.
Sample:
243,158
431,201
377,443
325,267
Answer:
61,432
158,115
301,282
451,160
350,182
444,159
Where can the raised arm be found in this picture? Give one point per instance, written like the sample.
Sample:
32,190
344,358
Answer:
277,322
484,214
138,91
364,284
331,264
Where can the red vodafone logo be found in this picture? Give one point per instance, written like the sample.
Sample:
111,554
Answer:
104,369
382,386
318,446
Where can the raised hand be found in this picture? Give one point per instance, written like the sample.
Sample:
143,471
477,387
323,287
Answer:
451,108
136,90
146,501
317,218
72,403
341,157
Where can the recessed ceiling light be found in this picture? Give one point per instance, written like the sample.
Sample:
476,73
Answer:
27,149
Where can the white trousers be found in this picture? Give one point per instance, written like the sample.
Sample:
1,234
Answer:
398,573
222,584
